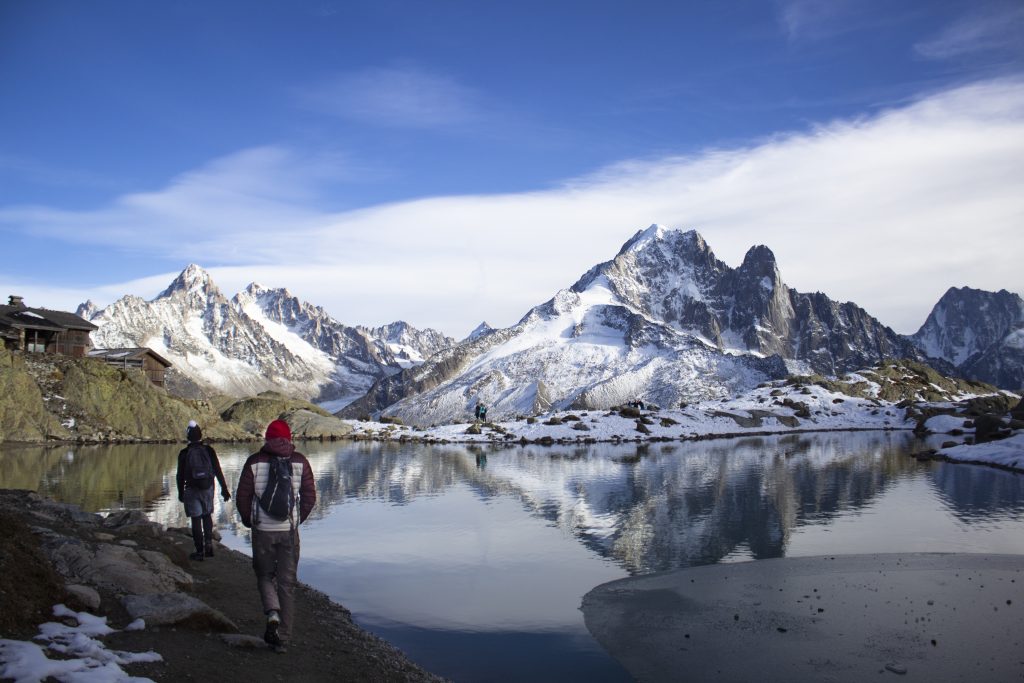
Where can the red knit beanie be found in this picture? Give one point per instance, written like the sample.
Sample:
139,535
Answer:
279,429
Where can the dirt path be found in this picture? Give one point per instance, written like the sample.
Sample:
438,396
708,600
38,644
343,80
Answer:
326,644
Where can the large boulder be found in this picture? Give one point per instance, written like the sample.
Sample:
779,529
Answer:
174,608
255,413
116,568
306,424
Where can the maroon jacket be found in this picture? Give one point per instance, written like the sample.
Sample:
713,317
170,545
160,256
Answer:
253,480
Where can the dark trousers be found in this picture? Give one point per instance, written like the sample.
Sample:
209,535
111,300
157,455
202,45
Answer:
275,558
202,531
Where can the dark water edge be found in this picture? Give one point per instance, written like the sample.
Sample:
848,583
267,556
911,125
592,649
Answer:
462,656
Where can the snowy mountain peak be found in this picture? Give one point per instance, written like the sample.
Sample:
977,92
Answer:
479,331
673,239
664,321
758,256
193,283
87,310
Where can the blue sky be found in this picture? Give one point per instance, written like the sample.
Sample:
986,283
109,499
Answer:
449,162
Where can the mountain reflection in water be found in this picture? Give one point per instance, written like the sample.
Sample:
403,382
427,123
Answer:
455,552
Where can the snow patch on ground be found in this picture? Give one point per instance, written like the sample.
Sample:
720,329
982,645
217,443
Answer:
84,658
1008,452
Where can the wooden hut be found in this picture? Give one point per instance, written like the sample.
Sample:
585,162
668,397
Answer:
152,364
40,330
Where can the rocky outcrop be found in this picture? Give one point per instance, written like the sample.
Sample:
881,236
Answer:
900,380
305,419
100,402
23,413
307,424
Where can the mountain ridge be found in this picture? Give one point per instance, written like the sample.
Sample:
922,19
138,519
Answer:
980,333
261,339
664,321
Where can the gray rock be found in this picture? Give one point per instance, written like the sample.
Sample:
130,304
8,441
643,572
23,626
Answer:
308,424
173,608
124,518
84,595
117,568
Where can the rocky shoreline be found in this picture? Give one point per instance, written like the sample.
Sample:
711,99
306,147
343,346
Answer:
202,618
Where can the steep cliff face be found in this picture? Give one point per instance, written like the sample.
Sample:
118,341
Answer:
981,333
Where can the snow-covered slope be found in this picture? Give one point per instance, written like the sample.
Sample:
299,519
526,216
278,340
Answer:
664,321
981,333
261,339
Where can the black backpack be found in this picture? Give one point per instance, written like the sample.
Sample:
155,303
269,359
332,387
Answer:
198,467
278,498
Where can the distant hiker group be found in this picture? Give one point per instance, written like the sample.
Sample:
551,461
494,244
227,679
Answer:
480,412
276,492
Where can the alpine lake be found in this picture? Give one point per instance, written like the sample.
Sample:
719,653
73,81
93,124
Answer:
474,560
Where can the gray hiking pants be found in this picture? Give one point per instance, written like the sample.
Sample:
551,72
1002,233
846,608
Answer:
275,557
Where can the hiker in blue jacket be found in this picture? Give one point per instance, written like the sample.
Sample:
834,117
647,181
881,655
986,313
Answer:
198,465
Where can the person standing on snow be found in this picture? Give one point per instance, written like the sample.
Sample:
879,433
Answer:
197,467
276,493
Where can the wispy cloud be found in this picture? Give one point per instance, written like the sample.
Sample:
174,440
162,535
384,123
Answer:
397,97
995,29
887,211
216,209
813,19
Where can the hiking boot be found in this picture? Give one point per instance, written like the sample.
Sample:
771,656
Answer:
270,636
197,556
280,649
208,551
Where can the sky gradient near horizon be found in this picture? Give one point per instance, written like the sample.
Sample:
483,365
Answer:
449,162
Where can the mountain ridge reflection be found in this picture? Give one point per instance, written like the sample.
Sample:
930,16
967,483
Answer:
647,507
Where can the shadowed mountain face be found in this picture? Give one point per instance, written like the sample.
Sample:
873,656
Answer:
980,333
664,321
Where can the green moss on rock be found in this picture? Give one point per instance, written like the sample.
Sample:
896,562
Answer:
23,413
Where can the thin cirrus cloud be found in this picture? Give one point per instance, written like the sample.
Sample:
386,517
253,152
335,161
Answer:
814,19
393,97
887,211
999,29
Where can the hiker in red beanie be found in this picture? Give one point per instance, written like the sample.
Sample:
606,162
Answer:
276,492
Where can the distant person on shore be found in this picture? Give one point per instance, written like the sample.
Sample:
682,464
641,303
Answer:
198,465
276,492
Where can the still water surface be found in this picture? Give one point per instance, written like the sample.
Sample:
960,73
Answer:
474,561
